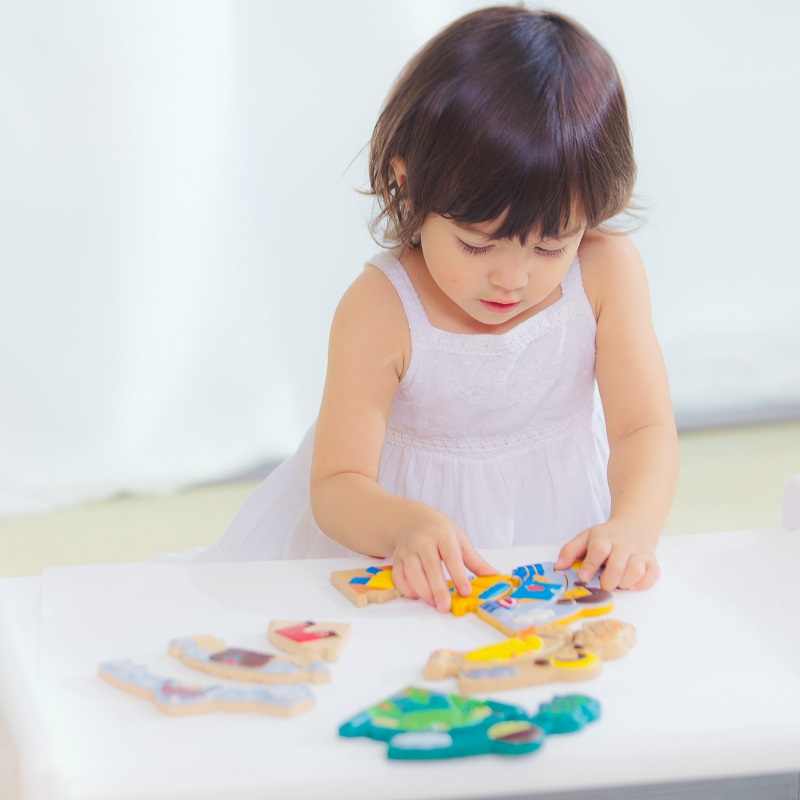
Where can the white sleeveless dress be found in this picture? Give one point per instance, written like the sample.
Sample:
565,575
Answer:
502,432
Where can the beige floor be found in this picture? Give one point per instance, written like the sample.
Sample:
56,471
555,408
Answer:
731,478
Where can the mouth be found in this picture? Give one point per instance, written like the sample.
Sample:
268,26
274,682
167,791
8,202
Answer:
499,308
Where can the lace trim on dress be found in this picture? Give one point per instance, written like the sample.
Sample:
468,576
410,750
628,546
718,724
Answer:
493,446
424,336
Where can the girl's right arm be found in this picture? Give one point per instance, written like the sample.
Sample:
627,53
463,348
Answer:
369,352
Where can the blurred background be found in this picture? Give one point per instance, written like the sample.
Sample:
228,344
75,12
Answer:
179,216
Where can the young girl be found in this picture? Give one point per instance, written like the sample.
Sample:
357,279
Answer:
460,408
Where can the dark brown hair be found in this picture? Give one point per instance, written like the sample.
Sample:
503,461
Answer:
507,112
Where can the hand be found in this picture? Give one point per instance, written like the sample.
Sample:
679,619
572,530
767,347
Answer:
628,555
427,539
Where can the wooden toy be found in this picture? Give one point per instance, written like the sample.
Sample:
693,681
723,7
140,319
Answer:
173,697
367,585
609,638
307,640
570,663
484,589
544,596
518,604
209,654
554,653
420,724
567,713
447,663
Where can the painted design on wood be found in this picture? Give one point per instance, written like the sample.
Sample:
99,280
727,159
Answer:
545,596
552,654
209,654
307,640
366,585
567,713
173,697
485,588
449,663
518,604
570,663
420,724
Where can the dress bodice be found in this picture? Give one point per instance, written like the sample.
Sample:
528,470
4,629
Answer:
481,395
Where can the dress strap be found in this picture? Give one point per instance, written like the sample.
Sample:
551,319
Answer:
415,312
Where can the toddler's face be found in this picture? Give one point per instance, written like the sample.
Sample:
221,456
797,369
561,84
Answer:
495,281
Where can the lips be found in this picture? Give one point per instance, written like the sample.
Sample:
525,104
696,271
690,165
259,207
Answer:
499,308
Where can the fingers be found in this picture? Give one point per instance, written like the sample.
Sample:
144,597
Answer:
409,579
476,563
572,551
625,563
652,574
419,576
597,552
440,590
455,562
630,572
622,569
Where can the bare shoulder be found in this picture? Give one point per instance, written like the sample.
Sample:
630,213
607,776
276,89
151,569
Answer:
370,317
611,266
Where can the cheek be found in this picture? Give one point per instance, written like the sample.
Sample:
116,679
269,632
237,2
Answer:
454,278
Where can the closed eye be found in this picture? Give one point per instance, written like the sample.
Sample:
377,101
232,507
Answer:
472,250
550,253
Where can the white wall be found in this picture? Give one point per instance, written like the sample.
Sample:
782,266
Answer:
178,219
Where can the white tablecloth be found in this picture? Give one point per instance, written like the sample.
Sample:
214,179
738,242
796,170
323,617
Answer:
711,690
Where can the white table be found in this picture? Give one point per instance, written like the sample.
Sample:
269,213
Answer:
710,692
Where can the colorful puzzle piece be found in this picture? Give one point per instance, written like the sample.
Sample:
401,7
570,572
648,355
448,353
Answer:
449,663
420,724
209,654
570,663
366,585
173,697
485,588
545,596
518,604
307,640
552,654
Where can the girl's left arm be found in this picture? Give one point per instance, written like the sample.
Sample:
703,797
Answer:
632,378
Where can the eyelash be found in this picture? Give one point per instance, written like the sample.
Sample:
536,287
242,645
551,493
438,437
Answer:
551,253
474,251
479,251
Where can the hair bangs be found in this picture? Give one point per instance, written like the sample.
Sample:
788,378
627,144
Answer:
510,117
486,165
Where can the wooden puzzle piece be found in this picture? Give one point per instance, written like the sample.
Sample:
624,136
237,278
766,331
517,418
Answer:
553,653
447,663
420,724
567,713
366,585
307,640
545,596
609,638
534,595
484,589
173,697
212,655
570,663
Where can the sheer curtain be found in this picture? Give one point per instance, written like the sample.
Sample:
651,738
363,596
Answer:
178,219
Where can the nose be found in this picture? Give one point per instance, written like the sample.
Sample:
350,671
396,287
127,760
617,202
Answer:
510,276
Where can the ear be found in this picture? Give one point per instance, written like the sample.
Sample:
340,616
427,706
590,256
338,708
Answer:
399,166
